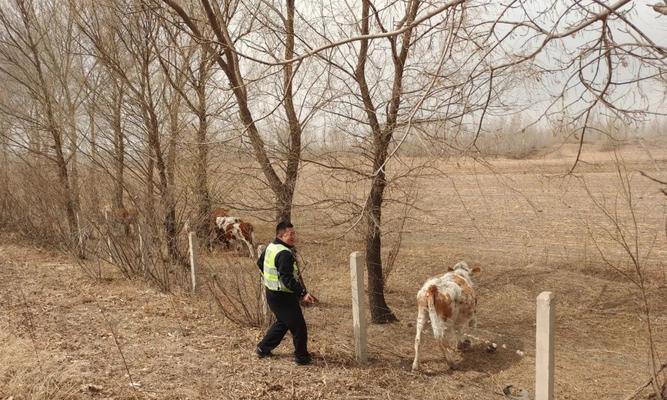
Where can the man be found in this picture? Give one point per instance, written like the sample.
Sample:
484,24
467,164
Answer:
283,292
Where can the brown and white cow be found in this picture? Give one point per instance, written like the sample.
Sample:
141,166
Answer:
450,302
236,231
218,212
215,234
125,217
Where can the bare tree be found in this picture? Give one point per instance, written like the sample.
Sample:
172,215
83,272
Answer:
393,68
382,134
189,72
41,65
220,20
136,31
441,72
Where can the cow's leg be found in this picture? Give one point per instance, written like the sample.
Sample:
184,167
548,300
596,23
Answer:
213,239
210,242
443,344
227,240
251,251
453,340
462,340
231,245
472,325
469,331
421,321
440,331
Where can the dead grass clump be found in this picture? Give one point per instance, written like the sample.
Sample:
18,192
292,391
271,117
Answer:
25,376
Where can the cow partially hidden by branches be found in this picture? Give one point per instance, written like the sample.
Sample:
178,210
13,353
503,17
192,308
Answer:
216,236
228,231
450,301
126,218
235,231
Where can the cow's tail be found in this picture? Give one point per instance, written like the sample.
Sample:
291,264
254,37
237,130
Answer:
431,293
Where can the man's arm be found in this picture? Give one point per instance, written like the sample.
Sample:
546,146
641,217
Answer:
260,262
284,264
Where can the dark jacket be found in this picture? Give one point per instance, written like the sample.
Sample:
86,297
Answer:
285,266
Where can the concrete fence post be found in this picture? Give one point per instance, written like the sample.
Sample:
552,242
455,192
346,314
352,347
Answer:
544,346
358,309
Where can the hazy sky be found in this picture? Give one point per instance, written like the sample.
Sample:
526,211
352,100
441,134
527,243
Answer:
647,95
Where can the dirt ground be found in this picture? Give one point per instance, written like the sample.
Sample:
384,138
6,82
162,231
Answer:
530,227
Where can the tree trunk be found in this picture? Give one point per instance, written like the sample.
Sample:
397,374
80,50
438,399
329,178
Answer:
73,150
164,188
380,311
167,186
5,203
201,167
285,192
56,134
228,60
149,200
173,107
94,157
284,198
63,175
119,149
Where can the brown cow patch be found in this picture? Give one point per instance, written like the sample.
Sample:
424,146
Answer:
246,230
219,212
442,303
465,288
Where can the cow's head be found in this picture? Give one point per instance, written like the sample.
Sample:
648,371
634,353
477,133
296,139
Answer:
462,265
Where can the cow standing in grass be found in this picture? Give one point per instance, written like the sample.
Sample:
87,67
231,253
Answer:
125,217
216,235
450,302
235,231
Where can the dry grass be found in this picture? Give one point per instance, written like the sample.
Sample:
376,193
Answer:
524,221
23,373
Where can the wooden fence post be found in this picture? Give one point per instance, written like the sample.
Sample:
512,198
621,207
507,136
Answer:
192,241
142,248
80,238
358,309
109,233
544,346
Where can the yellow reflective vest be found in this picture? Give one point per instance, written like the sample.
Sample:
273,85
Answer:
271,277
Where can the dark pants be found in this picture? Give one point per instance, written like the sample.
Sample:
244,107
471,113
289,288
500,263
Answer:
286,308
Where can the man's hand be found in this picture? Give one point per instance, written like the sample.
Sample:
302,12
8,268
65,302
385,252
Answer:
309,298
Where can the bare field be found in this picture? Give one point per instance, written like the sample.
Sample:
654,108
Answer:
530,226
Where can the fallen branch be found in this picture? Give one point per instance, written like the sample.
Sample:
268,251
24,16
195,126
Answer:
645,385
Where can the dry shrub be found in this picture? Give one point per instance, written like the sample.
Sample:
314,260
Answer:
32,205
234,284
515,144
139,252
25,376
619,224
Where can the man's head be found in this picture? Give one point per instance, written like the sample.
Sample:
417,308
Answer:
285,232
